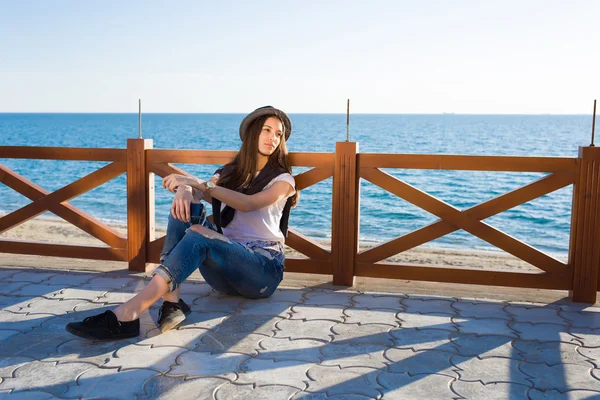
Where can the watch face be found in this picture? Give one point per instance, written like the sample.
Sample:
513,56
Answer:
210,185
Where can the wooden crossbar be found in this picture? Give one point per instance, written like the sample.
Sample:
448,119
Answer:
469,163
63,250
463,221
66,211
63,194
557,281
307,246
481,211
63,153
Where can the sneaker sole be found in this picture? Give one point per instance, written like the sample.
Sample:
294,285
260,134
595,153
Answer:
171,324
90,337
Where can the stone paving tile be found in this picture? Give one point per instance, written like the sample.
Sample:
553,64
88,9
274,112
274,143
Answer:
215,342
475,309
230,391
13,303
264,372
124,384
9,288
543,332
584,319
286,349
310,313
404,386
44,376
323,396
183,338
379,302
286,295
470,345
4,335
215,303
21,322
354,355
550,353
433,321
197,290
30,276
178,387
486,326
70,278
156,358
195,364
561,377
99,353
9,364
591,354
335,381
590,337
297,329
489,370
570,395
33,289
244,324
103,282
420,362
80,294
426,305
365,317
117,297
42,305
35,344
537,315
355,333
276,308
422,339
7,273
205,320
329,298
27,396
492,391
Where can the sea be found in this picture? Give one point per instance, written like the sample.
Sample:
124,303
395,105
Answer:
543,223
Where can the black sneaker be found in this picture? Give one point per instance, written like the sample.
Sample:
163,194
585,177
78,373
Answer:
172,314
104,326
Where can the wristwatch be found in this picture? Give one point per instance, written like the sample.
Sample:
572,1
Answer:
209,186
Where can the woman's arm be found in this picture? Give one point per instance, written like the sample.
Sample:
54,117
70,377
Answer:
245,203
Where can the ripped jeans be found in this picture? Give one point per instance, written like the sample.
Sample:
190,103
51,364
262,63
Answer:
228,266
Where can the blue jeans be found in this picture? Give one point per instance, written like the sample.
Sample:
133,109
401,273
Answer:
228,266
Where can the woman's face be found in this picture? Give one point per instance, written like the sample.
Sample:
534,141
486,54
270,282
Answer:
270,136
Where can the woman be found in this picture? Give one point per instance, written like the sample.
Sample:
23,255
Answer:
241,254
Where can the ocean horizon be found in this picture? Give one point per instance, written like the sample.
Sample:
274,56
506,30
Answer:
543,223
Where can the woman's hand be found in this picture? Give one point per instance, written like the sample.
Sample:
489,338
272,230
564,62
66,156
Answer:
173,181
180,209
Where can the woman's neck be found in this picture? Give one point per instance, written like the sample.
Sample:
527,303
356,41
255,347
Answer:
261,162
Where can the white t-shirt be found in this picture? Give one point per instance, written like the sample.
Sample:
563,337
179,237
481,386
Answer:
260,224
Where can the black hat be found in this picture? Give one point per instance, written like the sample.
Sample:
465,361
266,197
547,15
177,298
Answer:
262,111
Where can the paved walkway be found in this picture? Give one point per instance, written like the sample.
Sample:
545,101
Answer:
302,343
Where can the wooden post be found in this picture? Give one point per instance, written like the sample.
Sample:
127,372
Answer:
345,217
584,249
140,203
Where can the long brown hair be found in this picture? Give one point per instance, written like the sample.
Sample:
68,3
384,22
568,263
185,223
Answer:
242,168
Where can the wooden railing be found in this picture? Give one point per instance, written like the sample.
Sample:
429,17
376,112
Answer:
580,275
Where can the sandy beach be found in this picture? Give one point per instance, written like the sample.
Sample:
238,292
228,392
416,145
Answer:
55,231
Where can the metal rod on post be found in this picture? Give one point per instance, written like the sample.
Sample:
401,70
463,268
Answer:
348,120
593,124
140,119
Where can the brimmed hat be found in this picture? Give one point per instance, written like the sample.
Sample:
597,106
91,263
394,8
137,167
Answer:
262,111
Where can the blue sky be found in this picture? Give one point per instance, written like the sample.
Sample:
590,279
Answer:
463,56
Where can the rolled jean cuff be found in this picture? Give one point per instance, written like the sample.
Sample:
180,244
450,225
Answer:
166,275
